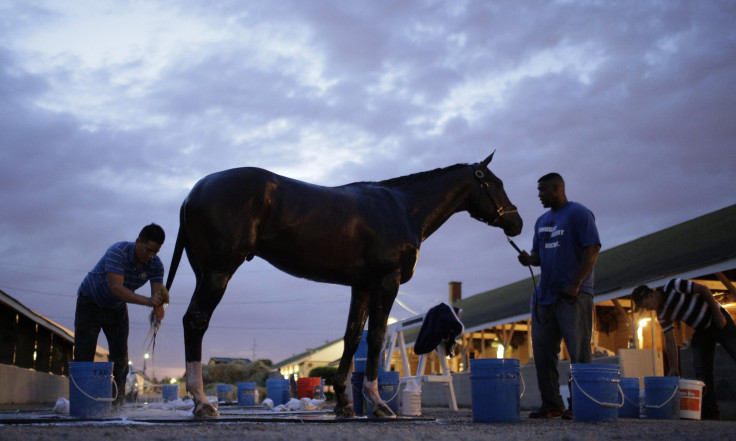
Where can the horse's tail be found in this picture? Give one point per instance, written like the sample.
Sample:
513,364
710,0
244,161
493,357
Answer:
178,250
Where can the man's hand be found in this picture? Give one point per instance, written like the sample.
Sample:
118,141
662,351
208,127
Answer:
571,290
157,299
528,260
158,313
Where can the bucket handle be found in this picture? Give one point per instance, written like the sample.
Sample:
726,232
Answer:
95,398
659,406
627,399
398,388
616,405
523,384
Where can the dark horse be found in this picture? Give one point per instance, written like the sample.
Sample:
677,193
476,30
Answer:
365,235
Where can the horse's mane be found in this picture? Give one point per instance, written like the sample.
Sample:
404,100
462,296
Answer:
421,176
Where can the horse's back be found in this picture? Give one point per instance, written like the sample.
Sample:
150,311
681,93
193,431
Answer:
233,179
222,208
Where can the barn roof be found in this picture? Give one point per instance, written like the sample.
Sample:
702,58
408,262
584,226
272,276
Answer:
54,327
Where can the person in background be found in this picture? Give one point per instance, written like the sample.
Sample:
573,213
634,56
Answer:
566,247
104,294
685,301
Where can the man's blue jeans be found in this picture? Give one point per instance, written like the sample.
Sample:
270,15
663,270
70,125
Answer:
704,349
569,319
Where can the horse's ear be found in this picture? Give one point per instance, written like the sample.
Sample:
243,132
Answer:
487,160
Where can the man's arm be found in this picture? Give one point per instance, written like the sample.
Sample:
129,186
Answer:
673,354
118,289
587,262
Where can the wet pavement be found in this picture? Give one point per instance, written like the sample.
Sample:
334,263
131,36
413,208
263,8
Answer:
154,422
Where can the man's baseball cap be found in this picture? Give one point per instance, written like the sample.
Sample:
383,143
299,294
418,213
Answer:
638,295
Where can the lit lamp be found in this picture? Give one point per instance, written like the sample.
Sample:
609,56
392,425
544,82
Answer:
146,356
640,331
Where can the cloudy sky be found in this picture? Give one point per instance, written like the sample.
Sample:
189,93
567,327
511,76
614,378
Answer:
111,110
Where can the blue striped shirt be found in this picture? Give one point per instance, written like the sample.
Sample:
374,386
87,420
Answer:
683,304
119,259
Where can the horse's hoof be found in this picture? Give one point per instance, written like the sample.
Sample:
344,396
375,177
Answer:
205,410
344,412
383,411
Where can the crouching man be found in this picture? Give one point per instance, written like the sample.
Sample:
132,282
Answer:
692,303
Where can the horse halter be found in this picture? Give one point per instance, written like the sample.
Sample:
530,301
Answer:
501,211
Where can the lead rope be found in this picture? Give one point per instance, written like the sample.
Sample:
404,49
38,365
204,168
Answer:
534,281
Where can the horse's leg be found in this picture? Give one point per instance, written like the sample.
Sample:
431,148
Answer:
208,293
356,321
380,307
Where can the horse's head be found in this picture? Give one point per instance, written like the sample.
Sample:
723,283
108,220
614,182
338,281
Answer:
489,202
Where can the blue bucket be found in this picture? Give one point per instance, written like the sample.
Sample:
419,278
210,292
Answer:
388,390
495,390
662,397
246,394
361,354
90,388
277,389
356,380
596,392
630,389
224,393
170,392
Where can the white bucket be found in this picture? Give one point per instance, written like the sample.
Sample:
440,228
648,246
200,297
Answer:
691,398
411,399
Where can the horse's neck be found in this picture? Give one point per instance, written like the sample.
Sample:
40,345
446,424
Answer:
431,202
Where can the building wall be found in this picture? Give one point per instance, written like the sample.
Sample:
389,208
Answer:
25,386
319,358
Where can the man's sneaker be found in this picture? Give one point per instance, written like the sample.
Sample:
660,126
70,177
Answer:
567,415
546,414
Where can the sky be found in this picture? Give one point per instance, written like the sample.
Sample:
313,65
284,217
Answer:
110,111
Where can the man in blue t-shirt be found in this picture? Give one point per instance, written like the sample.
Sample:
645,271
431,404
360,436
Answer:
103,297
565,246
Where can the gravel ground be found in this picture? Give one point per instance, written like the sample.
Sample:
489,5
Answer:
446,425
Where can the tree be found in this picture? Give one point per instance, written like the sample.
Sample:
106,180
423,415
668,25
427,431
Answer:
326,372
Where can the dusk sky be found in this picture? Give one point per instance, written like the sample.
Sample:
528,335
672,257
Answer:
110,111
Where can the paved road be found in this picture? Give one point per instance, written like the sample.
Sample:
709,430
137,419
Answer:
435,424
